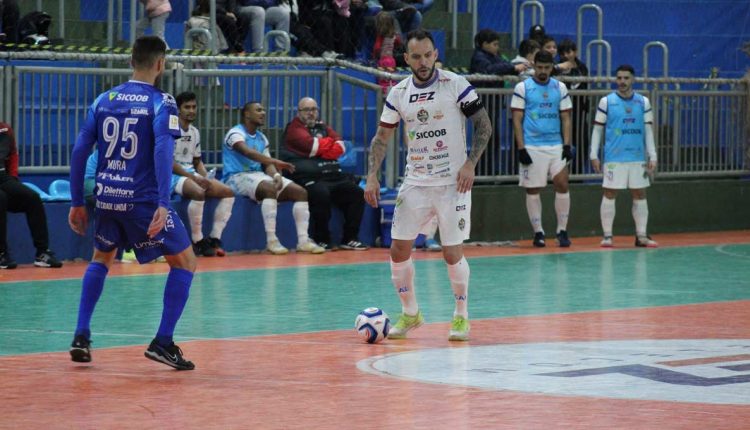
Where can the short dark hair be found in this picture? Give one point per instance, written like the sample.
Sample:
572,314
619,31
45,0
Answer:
246,107
543,57
536,32
566,46
419,34
184,97
625,68
485,35
528,46
147,50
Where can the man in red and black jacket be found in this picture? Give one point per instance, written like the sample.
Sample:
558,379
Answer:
16,197
314,148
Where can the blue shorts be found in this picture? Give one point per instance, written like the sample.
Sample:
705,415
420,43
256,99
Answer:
128,228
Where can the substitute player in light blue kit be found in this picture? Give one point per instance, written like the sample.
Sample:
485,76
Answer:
134,126
540,105
625,118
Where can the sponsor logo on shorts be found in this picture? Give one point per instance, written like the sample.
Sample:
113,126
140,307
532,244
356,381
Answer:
104,240
151,243
461,224
460,208
117,207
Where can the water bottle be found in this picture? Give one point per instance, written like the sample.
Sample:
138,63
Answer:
211,173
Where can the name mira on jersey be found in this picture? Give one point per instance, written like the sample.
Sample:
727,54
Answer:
434,116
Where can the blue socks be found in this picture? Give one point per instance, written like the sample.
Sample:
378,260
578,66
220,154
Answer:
93,284
176,294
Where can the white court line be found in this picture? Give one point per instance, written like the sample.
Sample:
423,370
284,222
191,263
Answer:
720,249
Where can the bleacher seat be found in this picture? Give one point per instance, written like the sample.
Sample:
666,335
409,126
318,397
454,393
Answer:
59,190
45,197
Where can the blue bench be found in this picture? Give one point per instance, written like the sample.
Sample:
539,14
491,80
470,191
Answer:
244,232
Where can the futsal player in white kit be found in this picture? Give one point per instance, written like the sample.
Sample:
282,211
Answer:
625,118
433,105
540,106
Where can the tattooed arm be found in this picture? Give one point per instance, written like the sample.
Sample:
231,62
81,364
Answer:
480,138
378,148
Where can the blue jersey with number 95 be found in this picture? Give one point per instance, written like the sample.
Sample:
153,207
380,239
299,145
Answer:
127,122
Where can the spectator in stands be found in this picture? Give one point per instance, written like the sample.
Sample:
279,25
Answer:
323,29
549,45
9,18
233,27
421,5
388,47
527,49
313,147
407,15
486,60
201,18
156,14
258,13
250,171
16,197
537,33
191,180
569,53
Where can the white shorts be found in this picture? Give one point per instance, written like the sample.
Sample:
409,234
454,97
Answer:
547,163
417,205
621,176
246,183
178,181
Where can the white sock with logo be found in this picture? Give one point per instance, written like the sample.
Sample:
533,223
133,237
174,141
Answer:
301,213
402,276
534,208
268,209
640,216
221,216
459,275
195,214
562,209
607,214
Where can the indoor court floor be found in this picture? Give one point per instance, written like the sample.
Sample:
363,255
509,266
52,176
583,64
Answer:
577,338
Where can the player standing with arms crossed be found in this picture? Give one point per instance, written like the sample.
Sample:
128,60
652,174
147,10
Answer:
434,105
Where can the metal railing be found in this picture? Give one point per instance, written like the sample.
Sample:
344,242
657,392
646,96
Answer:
701,129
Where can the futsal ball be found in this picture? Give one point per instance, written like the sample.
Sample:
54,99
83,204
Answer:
372,325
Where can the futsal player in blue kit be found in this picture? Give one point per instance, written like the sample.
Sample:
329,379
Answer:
134,126
625,118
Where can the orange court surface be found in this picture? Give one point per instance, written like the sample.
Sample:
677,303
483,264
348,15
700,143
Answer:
577,338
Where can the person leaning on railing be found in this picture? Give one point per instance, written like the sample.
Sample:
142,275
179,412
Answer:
16,197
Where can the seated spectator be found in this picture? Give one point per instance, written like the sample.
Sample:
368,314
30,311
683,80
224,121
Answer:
486,59
191,181
250,171
526,52
16,197
201,18
258,14
9,18
155,16
537,33
408,17
313,147
233,27
388,48
322,29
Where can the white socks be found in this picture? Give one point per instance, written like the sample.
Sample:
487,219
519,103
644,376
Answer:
640,216
402,276
195,214
221,216
607,215
534,208
268,209
459,275
562,209
301,213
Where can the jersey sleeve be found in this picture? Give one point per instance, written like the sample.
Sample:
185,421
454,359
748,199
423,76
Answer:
390,116
233,137
266,145
601,112
518,101
468,100
197,149
81,150
166,121
648,113
565,102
